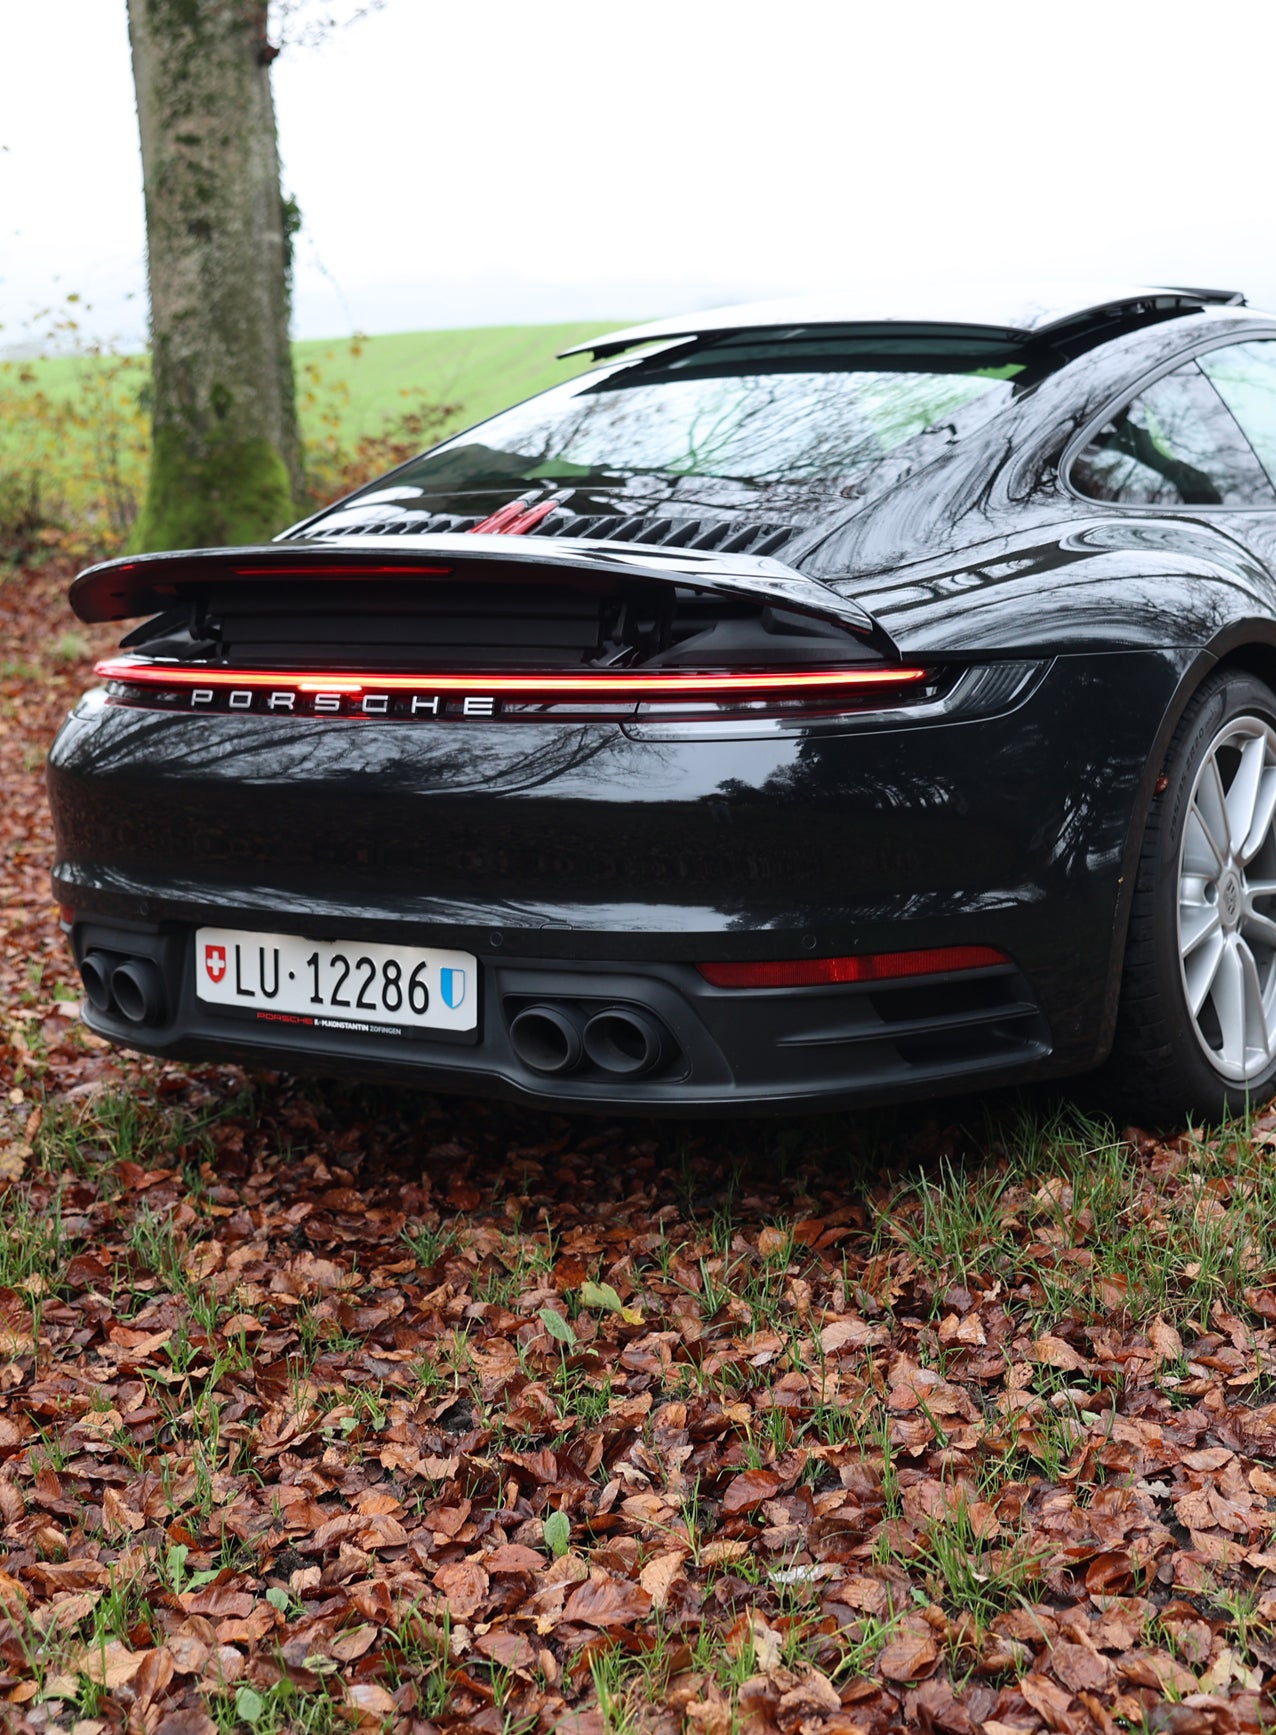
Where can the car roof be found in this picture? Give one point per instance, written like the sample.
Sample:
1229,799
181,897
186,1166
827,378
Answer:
1046,311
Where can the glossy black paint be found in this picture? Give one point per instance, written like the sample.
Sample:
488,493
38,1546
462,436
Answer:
598,860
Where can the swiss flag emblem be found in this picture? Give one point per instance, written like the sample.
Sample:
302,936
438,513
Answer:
215,962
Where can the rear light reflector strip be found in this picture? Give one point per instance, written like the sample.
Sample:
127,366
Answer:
801,683
511,695
868,967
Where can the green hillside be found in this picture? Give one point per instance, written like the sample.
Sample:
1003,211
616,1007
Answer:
365,380
482,370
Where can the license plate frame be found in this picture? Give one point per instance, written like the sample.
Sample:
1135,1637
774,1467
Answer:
298,984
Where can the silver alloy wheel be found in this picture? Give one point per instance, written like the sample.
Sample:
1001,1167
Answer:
1227,901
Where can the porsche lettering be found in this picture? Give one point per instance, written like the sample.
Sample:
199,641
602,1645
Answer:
293,702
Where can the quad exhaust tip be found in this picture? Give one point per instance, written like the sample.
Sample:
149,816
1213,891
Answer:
547,1039
95,973
138,990
622,1041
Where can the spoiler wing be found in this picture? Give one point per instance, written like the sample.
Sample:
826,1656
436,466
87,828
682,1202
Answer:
150,583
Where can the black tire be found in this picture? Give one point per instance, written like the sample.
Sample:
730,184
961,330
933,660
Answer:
1160,1071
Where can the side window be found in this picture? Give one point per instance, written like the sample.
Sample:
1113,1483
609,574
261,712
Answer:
1244,375
1175,445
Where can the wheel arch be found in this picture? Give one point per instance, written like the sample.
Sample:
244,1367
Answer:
1245,646
1155,1065
1255,656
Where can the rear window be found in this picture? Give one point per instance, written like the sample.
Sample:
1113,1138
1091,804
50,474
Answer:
802,422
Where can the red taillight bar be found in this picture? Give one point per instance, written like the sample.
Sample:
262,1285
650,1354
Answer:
868,967
663,685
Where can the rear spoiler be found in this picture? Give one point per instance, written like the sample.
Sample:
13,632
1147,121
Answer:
152,583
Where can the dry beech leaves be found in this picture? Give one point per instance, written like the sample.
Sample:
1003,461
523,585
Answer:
285,1434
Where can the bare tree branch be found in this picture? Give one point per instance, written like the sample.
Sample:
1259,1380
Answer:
307,23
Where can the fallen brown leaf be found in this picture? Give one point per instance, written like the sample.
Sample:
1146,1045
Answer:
749,1489
1055,1352
607,1602
908,1657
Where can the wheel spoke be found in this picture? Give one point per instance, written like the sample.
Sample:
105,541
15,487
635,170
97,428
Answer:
1196,923
1260,824
1211,804
1203,847
1242,798
1258,1031
1201,969
1228,997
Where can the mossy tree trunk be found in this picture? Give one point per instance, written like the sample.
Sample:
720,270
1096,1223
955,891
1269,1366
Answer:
225,462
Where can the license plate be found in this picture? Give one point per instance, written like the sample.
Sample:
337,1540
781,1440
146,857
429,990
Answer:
336,984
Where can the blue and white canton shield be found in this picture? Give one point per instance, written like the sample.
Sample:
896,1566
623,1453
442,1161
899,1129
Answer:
452,987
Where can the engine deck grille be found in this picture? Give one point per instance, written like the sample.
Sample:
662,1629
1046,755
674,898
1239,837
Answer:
663,530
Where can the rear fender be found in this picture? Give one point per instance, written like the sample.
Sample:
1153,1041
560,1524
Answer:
1107,586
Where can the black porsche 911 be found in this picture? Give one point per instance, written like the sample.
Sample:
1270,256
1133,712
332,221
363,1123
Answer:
810,705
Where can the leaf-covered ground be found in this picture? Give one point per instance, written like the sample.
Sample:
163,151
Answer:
325,1409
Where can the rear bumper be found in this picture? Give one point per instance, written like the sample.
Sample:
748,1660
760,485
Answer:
769,1050
587,865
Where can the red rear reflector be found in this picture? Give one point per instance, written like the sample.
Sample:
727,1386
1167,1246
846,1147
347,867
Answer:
869,967
66,914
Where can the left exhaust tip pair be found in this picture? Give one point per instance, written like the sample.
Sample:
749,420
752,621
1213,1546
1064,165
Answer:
133,987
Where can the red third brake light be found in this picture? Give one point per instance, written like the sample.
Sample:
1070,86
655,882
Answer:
328,570
868,967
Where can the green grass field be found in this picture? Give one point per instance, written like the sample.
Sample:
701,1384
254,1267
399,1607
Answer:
482,370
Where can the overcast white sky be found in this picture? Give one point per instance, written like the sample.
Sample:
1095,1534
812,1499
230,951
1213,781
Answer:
467,164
